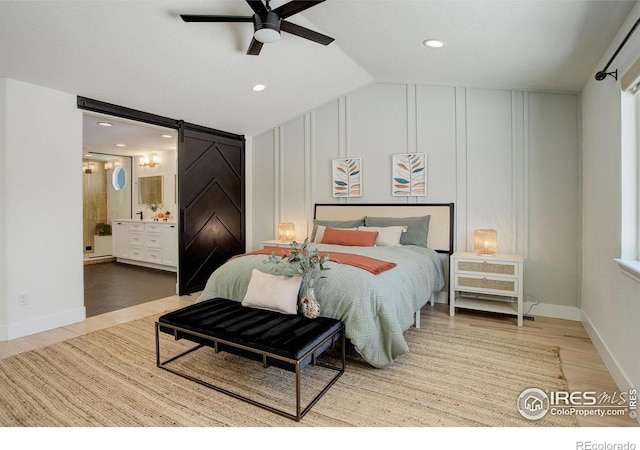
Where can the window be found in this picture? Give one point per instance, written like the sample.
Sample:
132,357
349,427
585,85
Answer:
630,173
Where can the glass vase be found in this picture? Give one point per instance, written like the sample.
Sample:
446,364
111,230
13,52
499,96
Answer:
309,305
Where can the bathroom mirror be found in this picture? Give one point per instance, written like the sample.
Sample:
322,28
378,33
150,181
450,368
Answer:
150,190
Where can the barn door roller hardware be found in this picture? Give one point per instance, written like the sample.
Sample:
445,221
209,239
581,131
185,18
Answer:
603,73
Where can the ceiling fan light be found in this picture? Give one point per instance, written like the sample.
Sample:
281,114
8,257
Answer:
266,35
267,29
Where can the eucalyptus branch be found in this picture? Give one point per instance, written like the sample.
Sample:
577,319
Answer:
302,260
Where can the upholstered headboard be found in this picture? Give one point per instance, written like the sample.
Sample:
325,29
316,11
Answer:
440,225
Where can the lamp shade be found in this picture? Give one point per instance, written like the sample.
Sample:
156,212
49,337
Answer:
486,242
286,231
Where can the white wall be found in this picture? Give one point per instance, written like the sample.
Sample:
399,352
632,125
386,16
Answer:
507,159
41,209
3,195
610,299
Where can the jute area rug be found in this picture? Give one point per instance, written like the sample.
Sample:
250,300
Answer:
109,378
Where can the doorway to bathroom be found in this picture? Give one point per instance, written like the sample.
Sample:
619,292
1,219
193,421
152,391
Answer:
118,156
210,167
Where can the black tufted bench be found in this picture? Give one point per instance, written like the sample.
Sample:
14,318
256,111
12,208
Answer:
290,342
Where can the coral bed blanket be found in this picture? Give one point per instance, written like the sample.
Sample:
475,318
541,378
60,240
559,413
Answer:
373,265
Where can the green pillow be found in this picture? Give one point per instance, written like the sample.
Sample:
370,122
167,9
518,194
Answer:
335,224
417,228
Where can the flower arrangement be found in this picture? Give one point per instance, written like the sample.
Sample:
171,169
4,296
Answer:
304,261
154,206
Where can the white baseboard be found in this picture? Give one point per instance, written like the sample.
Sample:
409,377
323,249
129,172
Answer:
617,373
37,325
549,310
441,297
530,309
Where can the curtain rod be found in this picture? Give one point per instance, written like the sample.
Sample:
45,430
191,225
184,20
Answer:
603,73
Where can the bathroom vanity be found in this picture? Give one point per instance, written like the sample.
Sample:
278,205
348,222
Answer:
146,243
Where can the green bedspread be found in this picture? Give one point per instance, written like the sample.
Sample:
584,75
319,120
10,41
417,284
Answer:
376,309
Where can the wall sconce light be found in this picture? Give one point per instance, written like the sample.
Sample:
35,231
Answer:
486,242
88,168
286,231
108,165
146,162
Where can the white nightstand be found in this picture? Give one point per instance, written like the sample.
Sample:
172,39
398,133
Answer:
487,283
275,243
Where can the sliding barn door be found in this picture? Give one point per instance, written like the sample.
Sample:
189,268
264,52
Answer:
211,199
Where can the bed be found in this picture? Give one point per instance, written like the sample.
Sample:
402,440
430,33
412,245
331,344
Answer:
376,308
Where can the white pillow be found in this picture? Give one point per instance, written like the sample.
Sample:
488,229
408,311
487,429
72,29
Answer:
320,232
273,292
387,236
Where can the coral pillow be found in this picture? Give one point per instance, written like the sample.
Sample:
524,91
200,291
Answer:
320,232
349,237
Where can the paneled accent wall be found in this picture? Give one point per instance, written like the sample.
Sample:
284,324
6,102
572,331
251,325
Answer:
508,159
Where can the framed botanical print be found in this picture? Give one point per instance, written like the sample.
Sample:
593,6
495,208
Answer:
409,175
347,177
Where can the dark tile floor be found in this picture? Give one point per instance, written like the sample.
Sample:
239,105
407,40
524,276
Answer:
111,286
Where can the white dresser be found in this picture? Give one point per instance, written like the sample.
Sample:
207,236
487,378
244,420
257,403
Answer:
146,243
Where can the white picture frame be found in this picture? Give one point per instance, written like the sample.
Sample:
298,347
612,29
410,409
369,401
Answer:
347,177
409,175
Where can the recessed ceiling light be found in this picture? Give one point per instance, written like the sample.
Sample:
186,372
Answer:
105,124
121,145
258,87
167,136
433,43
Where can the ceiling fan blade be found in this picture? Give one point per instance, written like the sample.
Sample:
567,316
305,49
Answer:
294,7
205,18
254,47
305,33
257,6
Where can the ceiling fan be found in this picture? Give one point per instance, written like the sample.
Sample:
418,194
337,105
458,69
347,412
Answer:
268,23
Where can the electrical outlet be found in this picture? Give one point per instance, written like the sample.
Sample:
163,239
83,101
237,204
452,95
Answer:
22,299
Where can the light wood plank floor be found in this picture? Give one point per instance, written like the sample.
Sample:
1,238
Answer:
581,364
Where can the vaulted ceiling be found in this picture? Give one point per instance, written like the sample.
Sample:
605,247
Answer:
141,55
